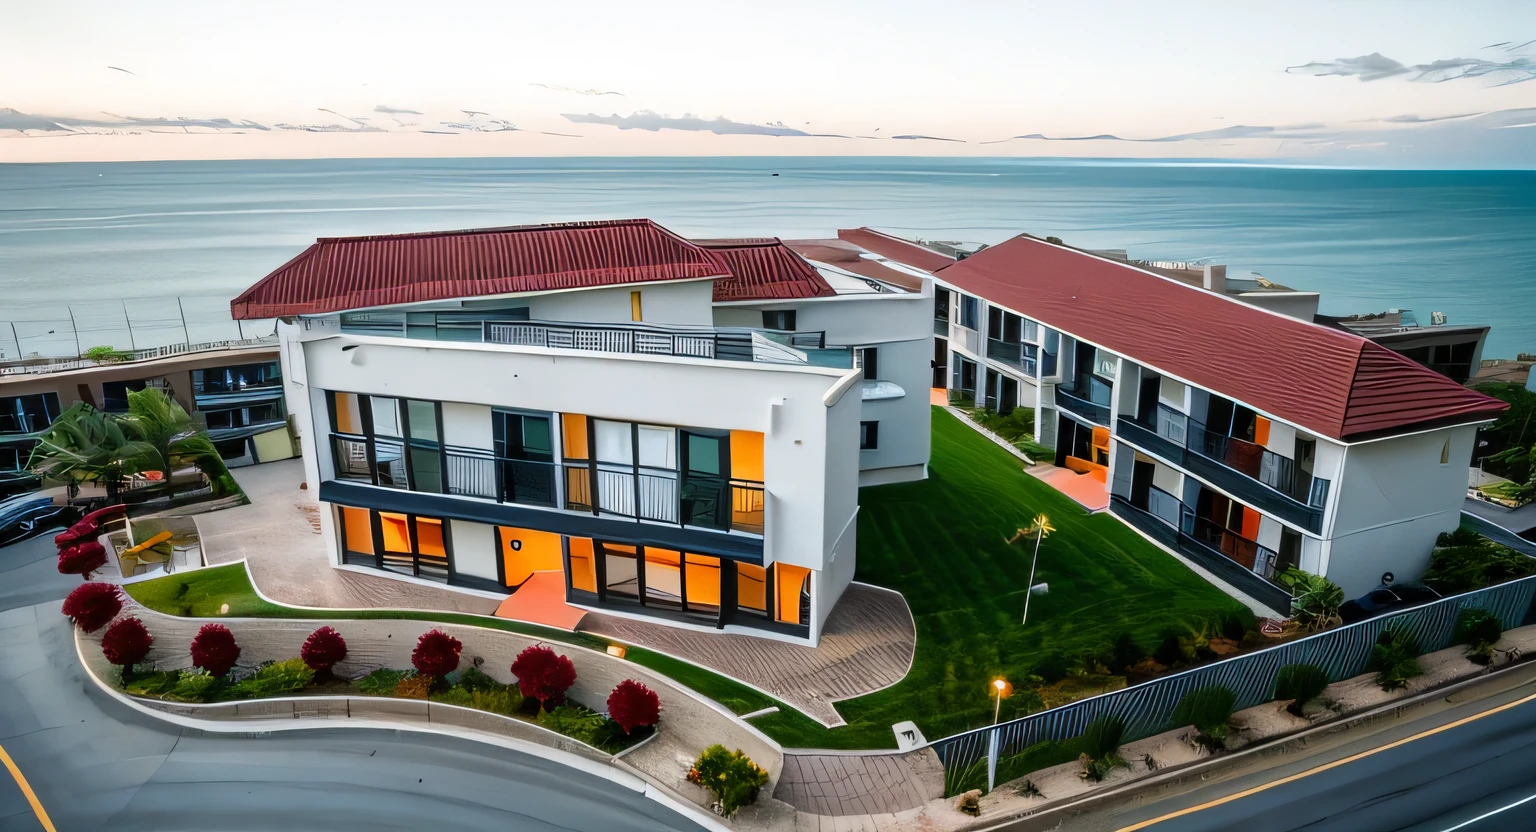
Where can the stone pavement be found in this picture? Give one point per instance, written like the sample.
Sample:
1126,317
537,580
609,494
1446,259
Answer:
867,644
845,785
279,535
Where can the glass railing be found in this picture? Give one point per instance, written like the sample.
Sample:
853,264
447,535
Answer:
941,327
720,343
1017,355
1069,400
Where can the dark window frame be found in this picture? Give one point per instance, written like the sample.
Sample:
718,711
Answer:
869,435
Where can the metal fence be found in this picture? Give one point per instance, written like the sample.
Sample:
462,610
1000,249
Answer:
1147,708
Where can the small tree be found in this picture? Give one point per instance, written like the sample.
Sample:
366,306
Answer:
126,642
1101,748
1300,683
1209,709
82,559
93,605
1395,658
633,705
1479,629
214,649
543,675
730,775
1315,600
322,650
436,655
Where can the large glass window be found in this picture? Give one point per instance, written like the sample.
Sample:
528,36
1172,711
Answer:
525,455
426,446
752,588
405,543
28,414
621,576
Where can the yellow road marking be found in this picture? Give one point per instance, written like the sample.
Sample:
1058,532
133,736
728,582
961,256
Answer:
1335,764
26,789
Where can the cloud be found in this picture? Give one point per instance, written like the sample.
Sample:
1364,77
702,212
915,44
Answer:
558,88
929,139
720,125
395,111
1236,131
1413,119
1376,66
21,122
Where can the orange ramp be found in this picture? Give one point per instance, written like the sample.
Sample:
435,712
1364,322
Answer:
541,600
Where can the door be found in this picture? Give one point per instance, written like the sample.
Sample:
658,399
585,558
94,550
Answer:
525,455
706,469
413,545
1008,397
1141,483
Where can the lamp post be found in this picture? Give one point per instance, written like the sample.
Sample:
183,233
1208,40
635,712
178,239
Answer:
1041,526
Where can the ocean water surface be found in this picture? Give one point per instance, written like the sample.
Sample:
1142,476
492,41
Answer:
88,249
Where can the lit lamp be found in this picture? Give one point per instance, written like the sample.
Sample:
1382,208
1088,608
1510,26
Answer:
1000,689
617,650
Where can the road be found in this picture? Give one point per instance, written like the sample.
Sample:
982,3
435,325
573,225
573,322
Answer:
95,764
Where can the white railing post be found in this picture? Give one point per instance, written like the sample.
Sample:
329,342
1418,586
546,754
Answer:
991,759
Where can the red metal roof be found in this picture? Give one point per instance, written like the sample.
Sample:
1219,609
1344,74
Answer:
902,251
764,269
849,258
337,274
1330,382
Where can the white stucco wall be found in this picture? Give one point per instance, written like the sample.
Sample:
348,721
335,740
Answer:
905,433
677,302
803,438
468,426
474,549
1394,498
840,533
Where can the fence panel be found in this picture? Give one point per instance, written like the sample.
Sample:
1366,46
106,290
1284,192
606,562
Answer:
1147,708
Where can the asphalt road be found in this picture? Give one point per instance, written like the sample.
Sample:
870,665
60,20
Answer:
95,764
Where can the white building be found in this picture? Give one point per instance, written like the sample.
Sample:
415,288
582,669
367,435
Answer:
1241,437
655,426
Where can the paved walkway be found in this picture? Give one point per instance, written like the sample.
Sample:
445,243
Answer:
279,534
1517,520
843,785
541,600
867,645
1499,534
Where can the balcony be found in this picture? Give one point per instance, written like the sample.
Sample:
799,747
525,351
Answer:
1206,544
627,492
1095,412
1013,354
22,423
1249,472
941,327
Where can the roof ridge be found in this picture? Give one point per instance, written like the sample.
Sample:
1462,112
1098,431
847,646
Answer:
502,229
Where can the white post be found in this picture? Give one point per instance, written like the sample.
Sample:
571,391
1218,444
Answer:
991,759
1029,588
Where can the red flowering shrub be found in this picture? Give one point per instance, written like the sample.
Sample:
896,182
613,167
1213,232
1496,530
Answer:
544,676
126,642
214,649
633,705
83,530
82,559
436,654
92,605
323,649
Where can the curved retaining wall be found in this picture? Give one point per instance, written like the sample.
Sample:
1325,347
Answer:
688,724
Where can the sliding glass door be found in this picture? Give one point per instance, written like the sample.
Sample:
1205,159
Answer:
706,469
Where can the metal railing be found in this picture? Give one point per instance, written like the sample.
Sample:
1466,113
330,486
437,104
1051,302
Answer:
721,343
1017,355
1147,709
1069,400
130,356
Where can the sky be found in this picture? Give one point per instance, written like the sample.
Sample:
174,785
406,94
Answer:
1377,83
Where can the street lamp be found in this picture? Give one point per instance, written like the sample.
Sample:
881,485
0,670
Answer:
1000,689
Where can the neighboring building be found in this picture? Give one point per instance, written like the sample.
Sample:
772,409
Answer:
1247,439
676,428
1455,352
235,385
1507,371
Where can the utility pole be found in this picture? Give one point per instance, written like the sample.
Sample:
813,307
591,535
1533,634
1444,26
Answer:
73,328
184,333
129,321
17,339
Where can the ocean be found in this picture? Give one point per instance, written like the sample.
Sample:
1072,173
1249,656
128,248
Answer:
143,254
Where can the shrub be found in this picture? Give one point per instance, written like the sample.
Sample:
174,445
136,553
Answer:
415,686
1236,624
436,654
454,696
1209,709
273,679
1125,653
1101,747
1170,652
322,650
106,353
633,705
473,679
1315,600
1395,658
194,686
1477,628
153,684
730,775
82,559
93,605
543,675
1300,683
1466,561
381,682
214,649
126,642
1052,667
505,700
575,722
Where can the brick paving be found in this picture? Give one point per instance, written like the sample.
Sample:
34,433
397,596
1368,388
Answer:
867,645
845,785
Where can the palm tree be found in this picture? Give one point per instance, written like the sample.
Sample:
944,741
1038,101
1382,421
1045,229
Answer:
85,445
173,437
1039,527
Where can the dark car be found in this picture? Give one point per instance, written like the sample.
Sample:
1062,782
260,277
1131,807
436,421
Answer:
1383,600
28,516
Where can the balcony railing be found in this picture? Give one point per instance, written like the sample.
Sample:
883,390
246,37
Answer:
1094,412
721,343
941,327
17,423
1016,355
1245,470
1212,551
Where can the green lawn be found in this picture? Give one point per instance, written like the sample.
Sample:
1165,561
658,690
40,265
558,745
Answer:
940,543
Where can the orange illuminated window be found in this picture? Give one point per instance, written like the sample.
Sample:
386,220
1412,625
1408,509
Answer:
525,551
751,587
1260,430
349,417
583,565
703,581
397,531
1251,521
358,531
574,427
634,306
789,581
429,537
747,455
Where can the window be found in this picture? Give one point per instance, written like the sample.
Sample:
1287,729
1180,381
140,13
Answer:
28,414
867,359
970,310
634,306
869,436
781,319
1445,453
114,394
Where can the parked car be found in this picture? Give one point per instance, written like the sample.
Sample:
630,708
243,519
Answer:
29,515
1386,599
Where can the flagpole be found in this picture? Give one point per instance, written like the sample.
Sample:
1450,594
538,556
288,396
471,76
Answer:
1029,589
